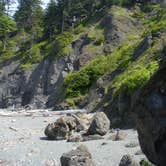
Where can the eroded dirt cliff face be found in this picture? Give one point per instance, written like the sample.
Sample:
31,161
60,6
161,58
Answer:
150,110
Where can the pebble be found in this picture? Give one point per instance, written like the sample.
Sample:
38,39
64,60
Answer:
35,151
3,162
51,162
139,152
104,143
29,154
14,129
13,120
132,145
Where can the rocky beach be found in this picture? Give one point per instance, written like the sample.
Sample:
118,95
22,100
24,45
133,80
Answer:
83,83
23,143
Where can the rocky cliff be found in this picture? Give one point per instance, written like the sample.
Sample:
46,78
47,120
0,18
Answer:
41,84
100,70
35,86
149,107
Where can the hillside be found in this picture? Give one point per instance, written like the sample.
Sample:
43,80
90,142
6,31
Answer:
96,65
85,76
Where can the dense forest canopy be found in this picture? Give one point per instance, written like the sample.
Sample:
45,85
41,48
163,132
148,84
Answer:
32,24
58,16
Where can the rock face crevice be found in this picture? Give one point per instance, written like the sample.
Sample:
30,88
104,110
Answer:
149,107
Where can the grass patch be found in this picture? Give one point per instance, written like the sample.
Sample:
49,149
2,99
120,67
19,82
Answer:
63,44
157,22
137,78
29,54
138,73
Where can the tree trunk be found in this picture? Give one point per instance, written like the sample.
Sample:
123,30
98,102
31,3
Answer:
63,22
4,44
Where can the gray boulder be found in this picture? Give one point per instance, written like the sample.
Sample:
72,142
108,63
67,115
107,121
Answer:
100,124
78,157
58,130
127,160
64,126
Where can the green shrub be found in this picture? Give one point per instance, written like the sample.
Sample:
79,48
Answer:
126,54
7,25
70,102
78,83
145,163
138,78
146,8
99,40
10,50
29,55
79,29
25,66
156,22
62,44
138,14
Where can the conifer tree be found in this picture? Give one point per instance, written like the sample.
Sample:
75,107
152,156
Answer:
51,20
29,14
6,26
2,7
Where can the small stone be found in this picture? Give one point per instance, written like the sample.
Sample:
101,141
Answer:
127,160
51,162
29,154
13,120
92,137
75,138
139,152
35,151
104,143
132,145
14,129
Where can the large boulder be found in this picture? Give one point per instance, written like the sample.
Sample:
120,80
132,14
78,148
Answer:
149,106
58,130
78,157
64,126
100,124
